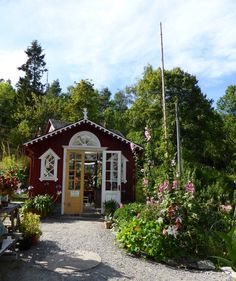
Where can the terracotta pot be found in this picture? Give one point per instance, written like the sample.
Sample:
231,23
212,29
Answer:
25,243
107,224
35,240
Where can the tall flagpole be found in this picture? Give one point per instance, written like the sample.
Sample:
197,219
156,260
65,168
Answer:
178,140
163,95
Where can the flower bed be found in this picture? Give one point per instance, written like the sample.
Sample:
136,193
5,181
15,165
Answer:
174,224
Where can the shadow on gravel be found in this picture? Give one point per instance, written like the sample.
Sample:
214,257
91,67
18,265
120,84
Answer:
70,219
47,262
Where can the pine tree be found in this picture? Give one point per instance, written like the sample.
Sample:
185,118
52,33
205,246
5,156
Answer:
34,69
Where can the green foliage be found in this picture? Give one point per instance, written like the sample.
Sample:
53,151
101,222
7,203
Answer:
13,172
40,204
110,206
127,213
30,225
142,236
230,242
214,185
174,225
43,204
226,105
82,95
34,68
7,109
54,90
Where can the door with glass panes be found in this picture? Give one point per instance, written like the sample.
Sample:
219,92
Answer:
74,189
111,176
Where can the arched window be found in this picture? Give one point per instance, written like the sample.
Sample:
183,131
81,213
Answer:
49,161
85,138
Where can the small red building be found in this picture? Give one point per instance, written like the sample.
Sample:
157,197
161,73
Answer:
87,162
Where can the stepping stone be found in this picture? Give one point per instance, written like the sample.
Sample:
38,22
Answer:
65,263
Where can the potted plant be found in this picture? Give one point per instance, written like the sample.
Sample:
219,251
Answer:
110,206
40,204
30,228
43,205
108,221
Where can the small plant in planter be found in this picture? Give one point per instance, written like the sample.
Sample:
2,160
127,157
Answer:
110,206
108,221
43,204
40,204
30,228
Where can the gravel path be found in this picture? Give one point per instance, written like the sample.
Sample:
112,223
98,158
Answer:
68,235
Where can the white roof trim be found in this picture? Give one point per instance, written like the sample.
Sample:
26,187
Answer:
83,121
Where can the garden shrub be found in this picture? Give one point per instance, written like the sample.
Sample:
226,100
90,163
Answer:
175,224
127,213
142,236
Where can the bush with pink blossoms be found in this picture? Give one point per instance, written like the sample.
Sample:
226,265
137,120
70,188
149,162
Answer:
174,224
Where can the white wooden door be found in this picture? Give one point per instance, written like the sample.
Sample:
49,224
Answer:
111,176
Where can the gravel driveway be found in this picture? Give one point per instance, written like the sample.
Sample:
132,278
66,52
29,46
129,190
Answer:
70,235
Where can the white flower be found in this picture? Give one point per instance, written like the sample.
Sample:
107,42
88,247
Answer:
172,230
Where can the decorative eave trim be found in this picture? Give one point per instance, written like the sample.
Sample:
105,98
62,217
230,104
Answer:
83,121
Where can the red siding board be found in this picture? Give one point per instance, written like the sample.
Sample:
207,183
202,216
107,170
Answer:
56,143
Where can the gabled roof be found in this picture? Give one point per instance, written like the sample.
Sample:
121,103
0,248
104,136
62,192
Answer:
80,122
54,124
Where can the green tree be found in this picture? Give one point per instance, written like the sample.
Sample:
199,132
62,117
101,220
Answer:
54,90
33,69
201,134
82,95
115,114
34,116
7,108
226,106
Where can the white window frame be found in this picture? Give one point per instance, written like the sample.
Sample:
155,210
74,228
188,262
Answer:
42,168
85,135
124,160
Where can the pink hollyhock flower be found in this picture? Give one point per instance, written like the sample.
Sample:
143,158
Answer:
147,134
138,215
175,184
59,192
166,185
132,147
161,188
164,232
178,223
190,187
145,182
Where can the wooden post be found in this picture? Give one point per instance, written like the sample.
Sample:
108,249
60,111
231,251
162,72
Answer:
163,96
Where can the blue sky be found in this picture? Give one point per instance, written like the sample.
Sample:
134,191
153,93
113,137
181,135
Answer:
111,41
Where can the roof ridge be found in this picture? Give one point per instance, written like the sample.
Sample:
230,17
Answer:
81,121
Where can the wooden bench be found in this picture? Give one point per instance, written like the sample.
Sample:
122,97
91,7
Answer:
10,236
8,244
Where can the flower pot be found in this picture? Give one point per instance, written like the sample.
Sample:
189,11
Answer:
35,240
4,200
107,224
25,243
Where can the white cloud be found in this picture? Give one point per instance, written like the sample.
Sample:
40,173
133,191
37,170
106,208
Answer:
110,41
10,60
